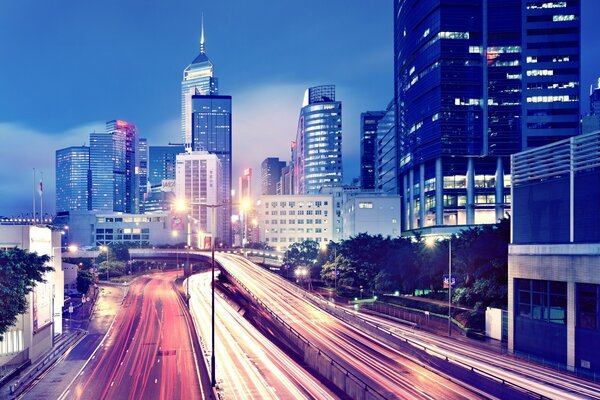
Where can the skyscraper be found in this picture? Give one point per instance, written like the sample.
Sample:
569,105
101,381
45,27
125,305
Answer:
143,171
595,99
386,165
108,171
161,162
317,157
72,169
211,121
198,79
368,142
132,181
591,122
198,176
465,101
551,71
270,174
245,185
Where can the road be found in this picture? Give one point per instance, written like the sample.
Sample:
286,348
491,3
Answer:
148,353
394,374
248,365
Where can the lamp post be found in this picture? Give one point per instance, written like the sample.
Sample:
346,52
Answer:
430,242
71,248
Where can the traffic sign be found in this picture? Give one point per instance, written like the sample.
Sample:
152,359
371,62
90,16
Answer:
446,281
70,309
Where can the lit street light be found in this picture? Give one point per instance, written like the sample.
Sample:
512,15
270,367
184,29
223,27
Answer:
106,249
430,242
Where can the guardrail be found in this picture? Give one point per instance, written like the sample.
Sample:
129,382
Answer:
370,391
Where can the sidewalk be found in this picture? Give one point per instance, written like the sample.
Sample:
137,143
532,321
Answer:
52,378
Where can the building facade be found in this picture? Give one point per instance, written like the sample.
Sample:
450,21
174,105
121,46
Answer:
373,214
317,156
161,162
143,172
198,183
132,161
270,174
33,334
107,171
465,74
72,178
287,219
386,165
368,145
211,119
554,257
198,79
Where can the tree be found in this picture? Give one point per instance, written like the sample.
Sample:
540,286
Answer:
301,254
20,270
84,280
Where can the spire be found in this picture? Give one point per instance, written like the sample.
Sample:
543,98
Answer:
202,36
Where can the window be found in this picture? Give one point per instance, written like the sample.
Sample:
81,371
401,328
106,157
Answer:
365,204
318,203
542,300
282,204
587,306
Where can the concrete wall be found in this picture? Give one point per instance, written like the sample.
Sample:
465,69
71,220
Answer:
493,323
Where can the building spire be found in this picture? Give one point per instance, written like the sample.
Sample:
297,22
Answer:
202,36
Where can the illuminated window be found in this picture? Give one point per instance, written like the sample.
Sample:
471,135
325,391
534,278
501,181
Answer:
365,205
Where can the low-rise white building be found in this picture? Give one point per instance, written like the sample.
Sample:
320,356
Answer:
287,219
374,214
32,335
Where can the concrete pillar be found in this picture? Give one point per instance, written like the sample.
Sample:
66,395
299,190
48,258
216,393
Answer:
470,192
439,192
499,189
571,325
411,212
422,195
511,307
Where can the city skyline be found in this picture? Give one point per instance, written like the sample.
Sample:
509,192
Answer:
157,113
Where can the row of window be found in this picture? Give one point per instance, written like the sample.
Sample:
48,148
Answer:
295,230
102,220
122,230
111,238
293,240
293,221
299,212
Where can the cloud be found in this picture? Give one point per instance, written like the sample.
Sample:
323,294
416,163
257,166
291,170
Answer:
24,148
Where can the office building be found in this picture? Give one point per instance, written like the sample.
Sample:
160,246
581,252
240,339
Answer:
198,183
317,156
107,171
551,71
595,99
211,119
161,163
554,257
386,162
368,144
245,185
270,174
198,79
32,336
591,122
287,219
470,92
370,213
72,169
132,179
143,172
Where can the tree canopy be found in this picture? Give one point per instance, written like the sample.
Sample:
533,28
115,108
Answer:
20,270
85,278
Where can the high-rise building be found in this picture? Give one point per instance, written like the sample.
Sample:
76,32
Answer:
317,157
368,142
198,183
198,79
108,171
142,172
386,165
245,185
132,184
591,122
211,121
270,174
595,99
161,162
551,71
473,86
72,169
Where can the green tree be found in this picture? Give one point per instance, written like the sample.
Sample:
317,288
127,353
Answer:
301,254
115,268
20,270
84,280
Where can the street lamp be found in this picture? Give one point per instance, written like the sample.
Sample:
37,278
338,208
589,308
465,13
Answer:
430,242
175,234
105,248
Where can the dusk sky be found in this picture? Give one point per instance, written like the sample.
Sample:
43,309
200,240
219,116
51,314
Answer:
69,66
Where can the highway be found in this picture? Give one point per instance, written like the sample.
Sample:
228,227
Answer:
148,352
394,374
248,365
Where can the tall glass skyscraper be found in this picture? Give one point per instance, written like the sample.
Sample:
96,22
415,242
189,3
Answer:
211,122
270,174
142,171
132,160
464,102
386,165
198,79
108,171
317,156
368,141
162,161
72,169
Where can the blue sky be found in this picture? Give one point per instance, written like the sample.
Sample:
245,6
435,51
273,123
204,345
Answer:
68,66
